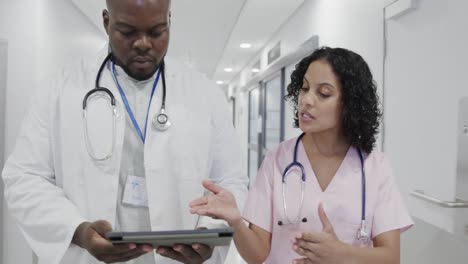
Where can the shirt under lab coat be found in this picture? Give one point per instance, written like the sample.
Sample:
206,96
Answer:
341,199
52,185
133,216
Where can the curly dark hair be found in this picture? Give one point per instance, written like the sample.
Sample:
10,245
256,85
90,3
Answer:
361,113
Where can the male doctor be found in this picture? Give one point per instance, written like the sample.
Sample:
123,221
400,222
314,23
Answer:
65,197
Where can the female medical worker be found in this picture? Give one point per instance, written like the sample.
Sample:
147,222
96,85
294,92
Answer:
351,211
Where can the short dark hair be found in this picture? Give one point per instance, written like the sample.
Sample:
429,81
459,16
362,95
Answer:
361,113
108,2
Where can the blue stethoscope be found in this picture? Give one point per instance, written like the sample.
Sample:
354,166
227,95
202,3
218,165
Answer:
160,121
362,234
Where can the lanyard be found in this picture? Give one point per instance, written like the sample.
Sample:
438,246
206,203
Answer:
127,105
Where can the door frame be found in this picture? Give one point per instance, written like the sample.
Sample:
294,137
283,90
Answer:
3,88
263,110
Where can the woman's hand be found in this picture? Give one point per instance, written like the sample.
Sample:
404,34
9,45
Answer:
219,204
321,247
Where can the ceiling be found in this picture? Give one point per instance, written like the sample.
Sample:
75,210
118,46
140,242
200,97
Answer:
206,34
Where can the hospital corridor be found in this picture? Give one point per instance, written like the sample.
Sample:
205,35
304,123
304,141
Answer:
214,117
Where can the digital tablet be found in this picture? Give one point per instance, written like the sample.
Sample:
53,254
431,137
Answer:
210,237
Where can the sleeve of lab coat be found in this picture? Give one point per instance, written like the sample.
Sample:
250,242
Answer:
226,168
44,214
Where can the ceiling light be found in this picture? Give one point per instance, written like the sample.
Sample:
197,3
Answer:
220,82
245,45
228,69
255,70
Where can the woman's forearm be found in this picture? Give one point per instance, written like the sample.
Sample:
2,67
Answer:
381,255
250,245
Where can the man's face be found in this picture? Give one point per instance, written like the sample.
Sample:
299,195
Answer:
138,34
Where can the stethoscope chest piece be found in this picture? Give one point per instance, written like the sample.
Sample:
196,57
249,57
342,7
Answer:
161,121
363,234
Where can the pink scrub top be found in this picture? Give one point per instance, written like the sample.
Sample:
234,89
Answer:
342,199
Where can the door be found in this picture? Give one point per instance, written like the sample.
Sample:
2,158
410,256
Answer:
254,131
425,81
266,116
272,112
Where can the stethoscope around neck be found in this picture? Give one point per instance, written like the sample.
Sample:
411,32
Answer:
160,121
362,234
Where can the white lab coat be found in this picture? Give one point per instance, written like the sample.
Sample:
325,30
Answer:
52,185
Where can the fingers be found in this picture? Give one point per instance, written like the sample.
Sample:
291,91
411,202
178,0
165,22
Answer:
210,186
310,255
180,253
304,246
170,253
97,244
327,226
102,227
197,253
100,245
307,246
310,237
200,210
202,206
187,251
129,255
199,201
205,211
104,250
203,250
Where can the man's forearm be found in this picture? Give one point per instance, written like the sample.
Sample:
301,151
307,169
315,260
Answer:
77,236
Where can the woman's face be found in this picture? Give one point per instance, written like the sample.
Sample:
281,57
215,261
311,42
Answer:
320,105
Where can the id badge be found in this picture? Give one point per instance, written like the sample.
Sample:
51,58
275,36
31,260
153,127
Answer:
135,191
